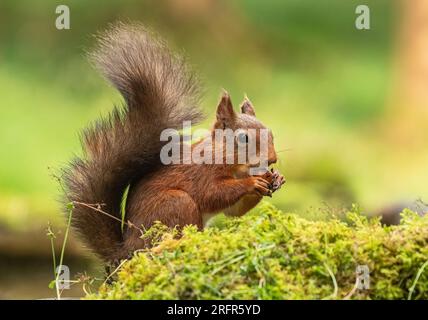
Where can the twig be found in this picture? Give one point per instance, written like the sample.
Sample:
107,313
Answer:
63,250
351,293
51,236
114,271
96,207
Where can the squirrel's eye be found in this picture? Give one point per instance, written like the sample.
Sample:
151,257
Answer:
242,138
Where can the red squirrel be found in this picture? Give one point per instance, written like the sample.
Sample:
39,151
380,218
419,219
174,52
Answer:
160,92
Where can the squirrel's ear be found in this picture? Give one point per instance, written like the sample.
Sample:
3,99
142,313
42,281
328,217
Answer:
247,107
225,113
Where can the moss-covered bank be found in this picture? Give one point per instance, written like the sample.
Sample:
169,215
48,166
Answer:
269,254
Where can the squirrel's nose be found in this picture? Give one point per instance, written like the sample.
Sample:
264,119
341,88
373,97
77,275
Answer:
272,160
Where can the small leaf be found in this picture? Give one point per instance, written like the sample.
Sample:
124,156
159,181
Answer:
52,284
123,207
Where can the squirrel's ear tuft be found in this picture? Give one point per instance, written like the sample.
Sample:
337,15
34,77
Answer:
247,107
225,113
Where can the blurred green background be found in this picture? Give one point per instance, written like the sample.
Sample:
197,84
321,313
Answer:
337,99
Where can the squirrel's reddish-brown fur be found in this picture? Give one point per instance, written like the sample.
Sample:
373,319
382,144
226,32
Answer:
159,92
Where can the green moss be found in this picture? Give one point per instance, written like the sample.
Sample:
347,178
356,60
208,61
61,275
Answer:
273,255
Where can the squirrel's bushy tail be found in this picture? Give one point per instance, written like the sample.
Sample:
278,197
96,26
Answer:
160,92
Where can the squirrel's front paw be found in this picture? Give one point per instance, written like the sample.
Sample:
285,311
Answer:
260,186
277,180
